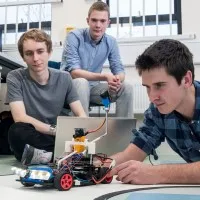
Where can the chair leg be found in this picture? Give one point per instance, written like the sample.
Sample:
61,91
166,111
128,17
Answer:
99,111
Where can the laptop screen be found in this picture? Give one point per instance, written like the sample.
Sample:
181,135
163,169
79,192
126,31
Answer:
118,136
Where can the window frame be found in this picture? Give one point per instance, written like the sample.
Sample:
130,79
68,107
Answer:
151,19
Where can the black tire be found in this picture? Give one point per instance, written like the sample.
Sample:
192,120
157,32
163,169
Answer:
25,184
63,181
103,171
107,180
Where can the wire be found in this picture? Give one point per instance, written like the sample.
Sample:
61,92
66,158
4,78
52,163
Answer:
150,160
7,174
101,179
92,131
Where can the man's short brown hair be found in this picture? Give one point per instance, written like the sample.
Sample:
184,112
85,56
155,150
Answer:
36,35
99,6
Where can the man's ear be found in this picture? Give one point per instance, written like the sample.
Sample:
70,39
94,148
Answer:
109,21
188,79
87,19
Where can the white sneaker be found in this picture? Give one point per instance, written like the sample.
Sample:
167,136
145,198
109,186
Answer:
33,156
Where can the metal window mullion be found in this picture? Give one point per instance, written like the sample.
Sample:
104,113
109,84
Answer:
16,28
40,16
156,17
143,18
117,19
28,18
130,19
5,25
170,16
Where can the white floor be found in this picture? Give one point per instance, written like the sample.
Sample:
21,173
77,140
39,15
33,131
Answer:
11,189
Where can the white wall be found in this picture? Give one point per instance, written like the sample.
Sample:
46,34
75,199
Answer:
190,17
69,13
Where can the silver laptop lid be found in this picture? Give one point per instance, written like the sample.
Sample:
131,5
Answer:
117,139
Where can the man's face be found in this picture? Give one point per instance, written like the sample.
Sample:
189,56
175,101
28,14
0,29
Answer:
164,91
35,55
98,22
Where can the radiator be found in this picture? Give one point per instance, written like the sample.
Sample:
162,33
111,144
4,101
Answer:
140,98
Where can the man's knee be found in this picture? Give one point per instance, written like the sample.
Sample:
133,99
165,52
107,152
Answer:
126,91
81,83
83,89
17,128
128,88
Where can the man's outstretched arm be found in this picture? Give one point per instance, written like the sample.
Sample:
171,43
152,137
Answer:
130,169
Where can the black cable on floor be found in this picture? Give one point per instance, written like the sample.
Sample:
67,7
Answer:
6,174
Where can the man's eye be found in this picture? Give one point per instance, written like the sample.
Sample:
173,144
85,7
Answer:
40,52
28,53
158,86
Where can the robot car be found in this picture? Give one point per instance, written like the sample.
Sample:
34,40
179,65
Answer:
79,166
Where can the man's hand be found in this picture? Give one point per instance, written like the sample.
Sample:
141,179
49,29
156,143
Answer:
135,172
114,83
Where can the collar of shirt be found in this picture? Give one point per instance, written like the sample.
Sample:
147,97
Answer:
196,115
93,42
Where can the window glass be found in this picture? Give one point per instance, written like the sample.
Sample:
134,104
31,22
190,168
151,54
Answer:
22,14
112,30
163,8
11,14
19,35
46,12
137,31
150,30
124,8
34,15
164,29
113,8
2,14
150,7
10,38
124,31
137,8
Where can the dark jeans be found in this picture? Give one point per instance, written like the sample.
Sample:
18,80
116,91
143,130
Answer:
21,134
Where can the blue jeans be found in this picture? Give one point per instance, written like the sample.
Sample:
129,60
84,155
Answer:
123,98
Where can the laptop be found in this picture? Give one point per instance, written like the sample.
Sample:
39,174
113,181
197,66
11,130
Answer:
117,139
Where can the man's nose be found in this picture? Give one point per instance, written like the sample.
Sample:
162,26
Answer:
153,95
98,23
35,56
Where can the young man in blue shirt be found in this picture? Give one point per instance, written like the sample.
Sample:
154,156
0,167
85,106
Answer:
84,54
167,72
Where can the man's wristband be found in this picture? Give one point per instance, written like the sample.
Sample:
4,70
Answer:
52,129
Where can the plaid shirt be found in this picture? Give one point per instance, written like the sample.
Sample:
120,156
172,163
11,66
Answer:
182,136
